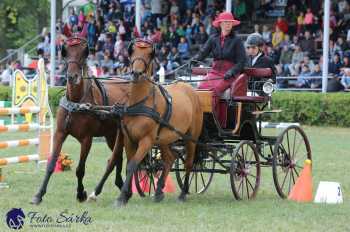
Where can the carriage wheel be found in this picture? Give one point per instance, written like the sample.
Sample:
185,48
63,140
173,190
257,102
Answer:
148,173
245,171
290,151
201,174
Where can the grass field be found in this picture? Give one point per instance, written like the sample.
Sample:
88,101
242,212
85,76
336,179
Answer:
216,210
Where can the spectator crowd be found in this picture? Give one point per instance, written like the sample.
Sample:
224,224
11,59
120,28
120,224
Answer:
180,28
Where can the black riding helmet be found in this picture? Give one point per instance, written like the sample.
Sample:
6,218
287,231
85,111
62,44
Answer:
254,40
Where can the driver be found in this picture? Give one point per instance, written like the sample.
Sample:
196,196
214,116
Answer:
229,56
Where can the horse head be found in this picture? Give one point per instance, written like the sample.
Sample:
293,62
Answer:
141,52
75,51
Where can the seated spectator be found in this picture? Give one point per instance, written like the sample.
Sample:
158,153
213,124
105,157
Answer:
266,34
107,62
300,23
309,20
240,9
286,42
174,57
162,55
297,58
257,29
303,80
119,47
334,49
277,37
121,65
334,85
342,44
335,65
60,75
92,60
201,37
285,59
6,75
183,48
308,44
345,79
316,82
282,25
109,45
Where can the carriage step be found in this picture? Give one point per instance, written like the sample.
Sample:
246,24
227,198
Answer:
258,112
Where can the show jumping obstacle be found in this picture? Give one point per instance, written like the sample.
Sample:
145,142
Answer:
28,97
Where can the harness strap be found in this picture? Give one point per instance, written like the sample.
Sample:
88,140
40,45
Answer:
101,87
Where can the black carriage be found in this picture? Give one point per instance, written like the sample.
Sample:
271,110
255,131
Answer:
239,149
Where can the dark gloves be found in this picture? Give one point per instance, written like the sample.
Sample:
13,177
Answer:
228,75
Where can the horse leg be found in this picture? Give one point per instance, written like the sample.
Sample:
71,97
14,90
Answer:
168,159
119,159
144,145
85,146
59,138
113,161
190,150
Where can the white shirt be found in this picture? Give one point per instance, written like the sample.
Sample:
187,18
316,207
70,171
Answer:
256,58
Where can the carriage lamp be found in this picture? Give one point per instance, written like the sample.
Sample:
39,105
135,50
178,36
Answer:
268,88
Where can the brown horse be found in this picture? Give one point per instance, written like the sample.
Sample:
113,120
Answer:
80,124
142,131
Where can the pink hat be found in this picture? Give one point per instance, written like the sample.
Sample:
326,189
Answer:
224,17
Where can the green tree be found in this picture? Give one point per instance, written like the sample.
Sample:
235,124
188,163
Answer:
20,21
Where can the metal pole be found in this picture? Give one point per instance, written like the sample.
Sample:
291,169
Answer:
52,44
138,16
325,45
228,5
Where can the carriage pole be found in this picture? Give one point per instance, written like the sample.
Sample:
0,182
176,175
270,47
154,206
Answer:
325,46
228,5
52,44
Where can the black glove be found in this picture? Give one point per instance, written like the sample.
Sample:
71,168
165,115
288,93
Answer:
228,75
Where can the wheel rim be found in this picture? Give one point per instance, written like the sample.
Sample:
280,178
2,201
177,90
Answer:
245,171
291,149
200,176
147,173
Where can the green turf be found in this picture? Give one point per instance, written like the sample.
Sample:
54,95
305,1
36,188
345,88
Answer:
216,210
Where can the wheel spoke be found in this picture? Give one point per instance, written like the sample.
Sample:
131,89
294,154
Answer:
247,187
288,142
284,180
239,186
295,134
250,184
292,176
296,172
290,181
296,150
203,181
195,182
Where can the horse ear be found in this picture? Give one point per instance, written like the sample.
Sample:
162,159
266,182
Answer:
130,48
63,51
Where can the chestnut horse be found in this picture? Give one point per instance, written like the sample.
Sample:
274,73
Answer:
80,124
179,109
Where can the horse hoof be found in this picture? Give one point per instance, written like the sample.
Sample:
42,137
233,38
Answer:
120,203
182,198
92,197
36,200
82,196
158,197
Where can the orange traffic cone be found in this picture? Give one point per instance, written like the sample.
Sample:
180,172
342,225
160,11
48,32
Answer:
302,190
169,186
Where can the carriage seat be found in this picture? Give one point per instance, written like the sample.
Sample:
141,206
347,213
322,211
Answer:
239,87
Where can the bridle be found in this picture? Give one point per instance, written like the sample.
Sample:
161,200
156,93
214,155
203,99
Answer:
140,75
